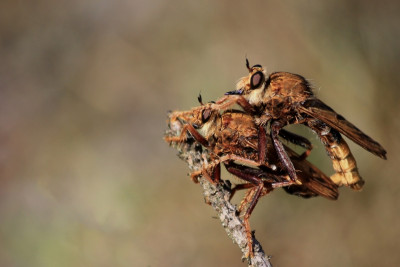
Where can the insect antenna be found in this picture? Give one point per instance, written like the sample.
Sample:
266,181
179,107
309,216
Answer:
200,99
247,64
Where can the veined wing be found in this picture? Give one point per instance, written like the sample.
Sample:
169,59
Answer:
312,179
319,110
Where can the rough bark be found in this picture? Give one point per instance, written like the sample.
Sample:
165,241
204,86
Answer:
218,197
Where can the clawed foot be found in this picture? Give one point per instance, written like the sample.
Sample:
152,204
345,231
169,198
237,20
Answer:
250,251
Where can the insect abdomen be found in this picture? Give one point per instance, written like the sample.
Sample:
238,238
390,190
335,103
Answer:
343,161
345,166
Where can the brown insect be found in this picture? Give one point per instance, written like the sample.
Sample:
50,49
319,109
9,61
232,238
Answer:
284,98
233,137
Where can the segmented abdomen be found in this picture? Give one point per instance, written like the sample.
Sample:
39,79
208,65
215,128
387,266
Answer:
343,161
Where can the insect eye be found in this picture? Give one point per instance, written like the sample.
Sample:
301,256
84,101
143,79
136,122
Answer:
205,115
256,79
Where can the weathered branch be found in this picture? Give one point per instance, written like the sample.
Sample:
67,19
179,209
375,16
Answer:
218,197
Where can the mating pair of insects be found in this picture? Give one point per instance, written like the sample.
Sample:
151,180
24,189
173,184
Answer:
248,141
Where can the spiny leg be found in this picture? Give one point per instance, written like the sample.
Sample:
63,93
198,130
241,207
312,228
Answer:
252,197
267,185
230,100
215,170
297,140
233,157
262,145
257,194
183,136
247,198
253,194
216,174
270,180
239,187
283,156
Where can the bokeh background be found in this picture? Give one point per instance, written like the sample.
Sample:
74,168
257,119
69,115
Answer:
86,178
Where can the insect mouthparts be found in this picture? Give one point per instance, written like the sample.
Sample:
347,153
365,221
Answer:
235,92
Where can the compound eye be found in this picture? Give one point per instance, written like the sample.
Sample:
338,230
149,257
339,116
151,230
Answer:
205,115
256,79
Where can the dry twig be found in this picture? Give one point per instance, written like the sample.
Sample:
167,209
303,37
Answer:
218,197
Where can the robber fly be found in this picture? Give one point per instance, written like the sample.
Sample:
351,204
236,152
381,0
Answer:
284,98
233,137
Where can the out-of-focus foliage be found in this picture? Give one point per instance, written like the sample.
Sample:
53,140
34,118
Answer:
86,179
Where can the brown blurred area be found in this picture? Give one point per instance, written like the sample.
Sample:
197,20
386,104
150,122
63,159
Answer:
85,177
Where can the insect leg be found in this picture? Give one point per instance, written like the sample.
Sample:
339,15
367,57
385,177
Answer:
266,185
239,187
214,168
297,140
252,196
183,136
258,188
230,157
230,100
276,126
262,144
214,178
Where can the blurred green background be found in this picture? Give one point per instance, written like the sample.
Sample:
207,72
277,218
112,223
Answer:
86,179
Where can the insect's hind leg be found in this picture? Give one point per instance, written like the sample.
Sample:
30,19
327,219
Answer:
276,126
251,197
297,140
258,186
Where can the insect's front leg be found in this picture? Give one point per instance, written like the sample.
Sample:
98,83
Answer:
214,168
276,126
183,136
229,100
